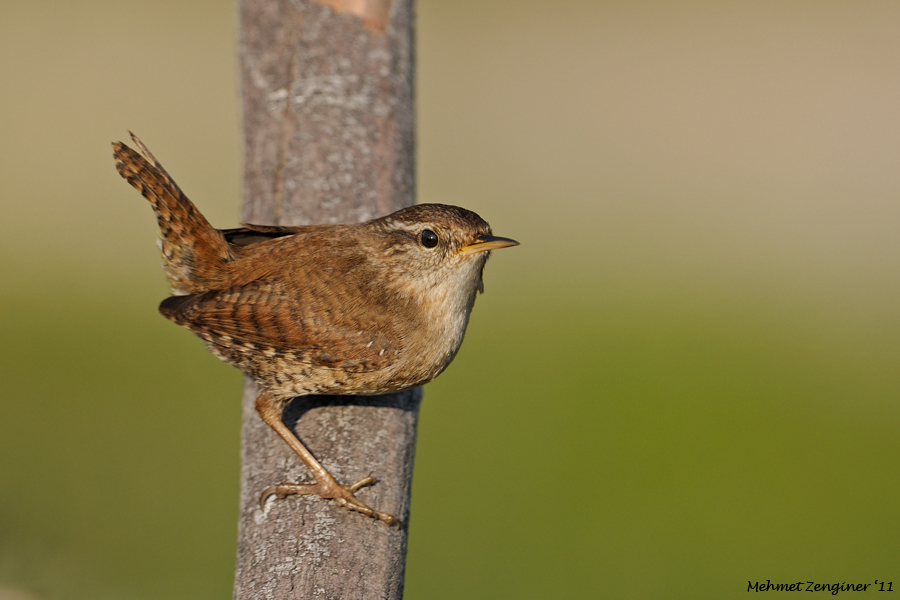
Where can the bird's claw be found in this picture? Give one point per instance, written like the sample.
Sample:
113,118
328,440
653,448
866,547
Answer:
340,494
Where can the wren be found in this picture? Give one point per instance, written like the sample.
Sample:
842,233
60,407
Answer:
366,308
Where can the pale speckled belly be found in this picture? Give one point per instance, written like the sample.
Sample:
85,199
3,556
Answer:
287,378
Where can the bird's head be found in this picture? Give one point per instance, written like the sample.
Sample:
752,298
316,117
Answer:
437,247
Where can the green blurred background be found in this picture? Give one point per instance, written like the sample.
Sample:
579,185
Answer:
684,379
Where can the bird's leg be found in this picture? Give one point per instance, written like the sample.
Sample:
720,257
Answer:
326,486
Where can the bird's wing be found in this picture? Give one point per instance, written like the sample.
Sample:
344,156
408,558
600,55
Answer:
253,234
262,317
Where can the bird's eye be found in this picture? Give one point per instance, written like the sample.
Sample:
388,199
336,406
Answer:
429,238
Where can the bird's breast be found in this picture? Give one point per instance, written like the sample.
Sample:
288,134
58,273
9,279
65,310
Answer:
436,333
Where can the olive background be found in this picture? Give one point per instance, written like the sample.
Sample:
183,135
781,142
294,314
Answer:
685,378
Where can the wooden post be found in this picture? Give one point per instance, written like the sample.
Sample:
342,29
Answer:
328,137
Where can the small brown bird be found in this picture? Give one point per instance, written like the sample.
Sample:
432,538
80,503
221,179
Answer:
367,308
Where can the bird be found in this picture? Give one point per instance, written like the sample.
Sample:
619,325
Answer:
351,309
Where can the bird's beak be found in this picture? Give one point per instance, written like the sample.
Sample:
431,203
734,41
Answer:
486,243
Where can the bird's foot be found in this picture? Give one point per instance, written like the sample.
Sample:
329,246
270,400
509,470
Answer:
330,489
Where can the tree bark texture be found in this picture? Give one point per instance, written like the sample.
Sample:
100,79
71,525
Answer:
328,137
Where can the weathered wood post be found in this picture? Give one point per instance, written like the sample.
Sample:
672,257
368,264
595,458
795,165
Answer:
328,137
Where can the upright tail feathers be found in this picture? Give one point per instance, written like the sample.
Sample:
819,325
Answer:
196,254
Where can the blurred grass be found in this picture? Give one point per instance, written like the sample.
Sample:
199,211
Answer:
120,453
685,378
658,447
580,442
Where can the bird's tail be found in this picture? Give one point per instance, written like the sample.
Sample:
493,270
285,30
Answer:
196,254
